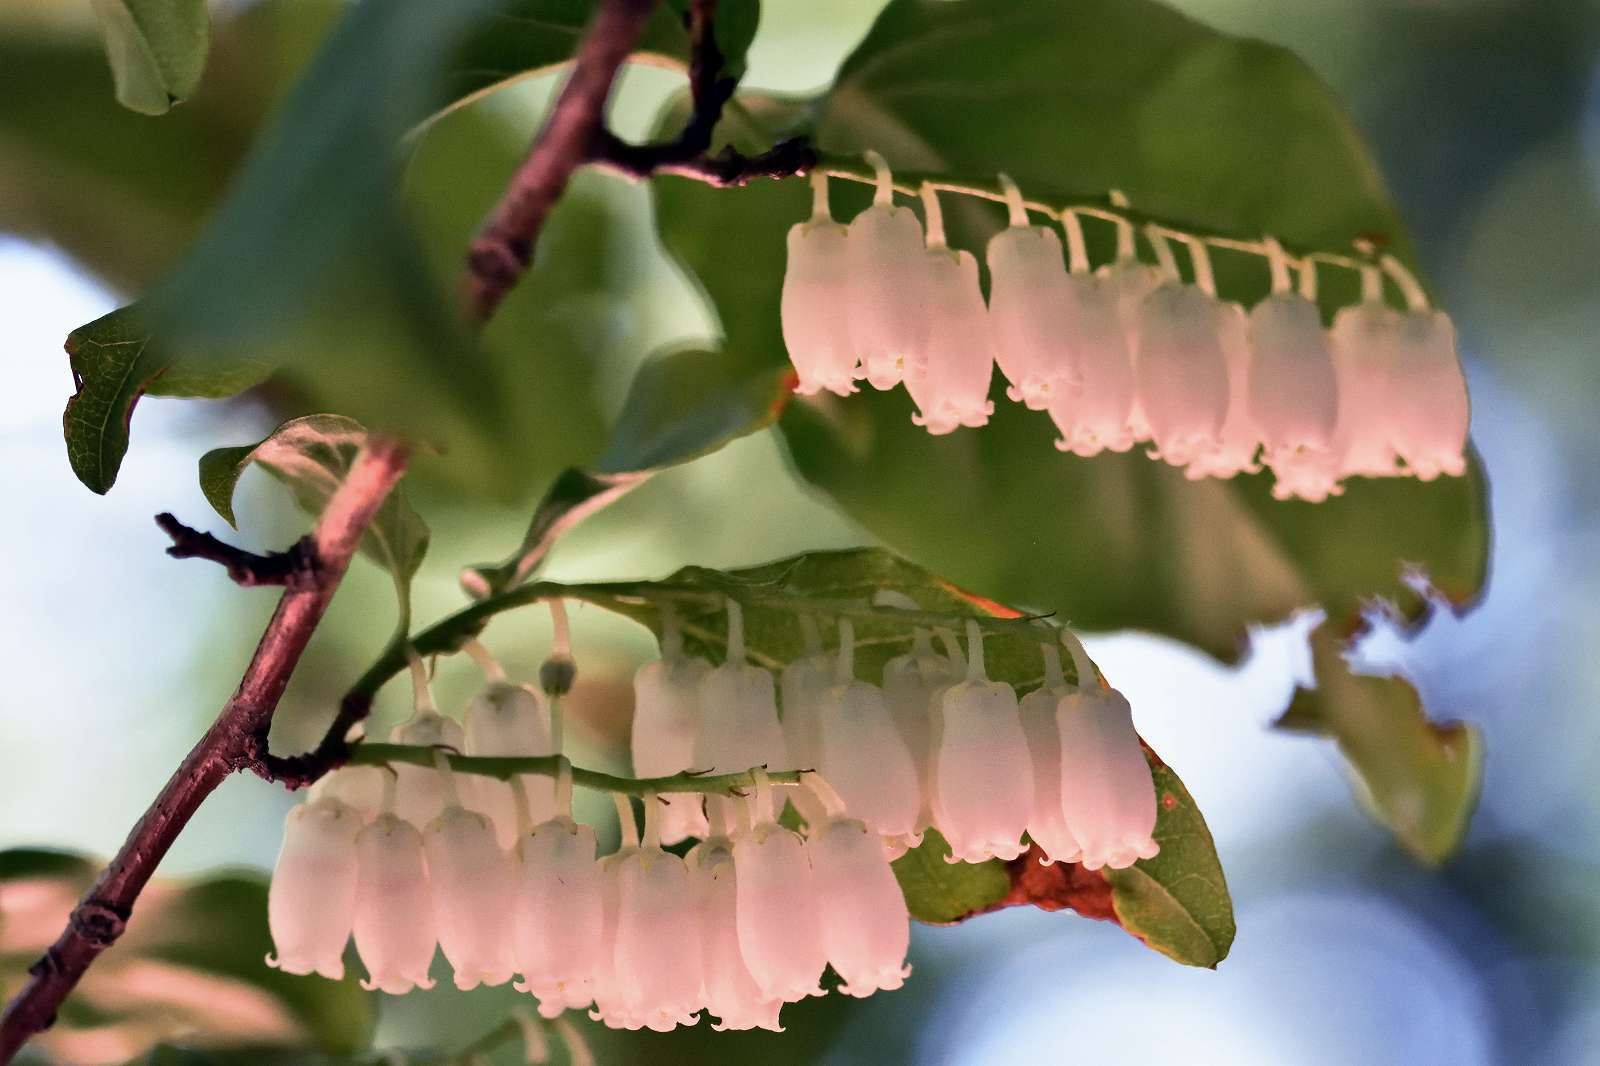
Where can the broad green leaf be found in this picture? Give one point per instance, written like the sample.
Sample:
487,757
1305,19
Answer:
681,406
189,963
311,456
1418,777
157,50
114,362
1178,902
1073,100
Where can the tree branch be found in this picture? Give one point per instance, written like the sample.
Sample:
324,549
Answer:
233,742
293,568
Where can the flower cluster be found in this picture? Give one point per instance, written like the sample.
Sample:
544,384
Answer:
499,876
1129,352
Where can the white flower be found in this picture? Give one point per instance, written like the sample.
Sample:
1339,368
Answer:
778,932
1235,450
816,287
658,960
472,896
558,925
862,912
394,927
1027,307
419,795
1107,794
360,787
739,712
505,719
951,384
311,900
1181,372
911,683
983,774
666,721
888,286
1047,825
1430,409
863,757
731,994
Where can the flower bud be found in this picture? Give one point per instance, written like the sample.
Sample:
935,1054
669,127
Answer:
1027,313
394,927
471,896
311,900
1181,373
861,910
510,720
951,384
658,941
419,793
731,994
666,721
778,932
559,914
1107,794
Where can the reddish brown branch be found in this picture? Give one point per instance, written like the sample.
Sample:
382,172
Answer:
292,568
236,740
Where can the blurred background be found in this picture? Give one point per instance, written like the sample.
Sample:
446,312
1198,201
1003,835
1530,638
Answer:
1485,118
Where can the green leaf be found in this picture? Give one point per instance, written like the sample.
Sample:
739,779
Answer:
1181,118
1418,777
157,50
940,892
681,406
114,362
311,456
190,960
1178,902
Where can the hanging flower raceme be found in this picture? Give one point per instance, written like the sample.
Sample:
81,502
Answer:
1097,413
666,723
863,756
508,720
816,287
420,792
1029,307
394,924
1179,366
951,383
731,994
1047,824
911,684
1108,797
861,910
472,893
559,918
777,907
311,900
889,294
983,774
658,958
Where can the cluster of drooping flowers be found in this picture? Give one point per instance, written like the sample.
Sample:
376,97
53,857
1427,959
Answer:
497,873
1128,352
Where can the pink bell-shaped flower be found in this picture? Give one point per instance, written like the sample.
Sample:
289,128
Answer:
394,927
506,720
1107,794
1294,395
816,287
666,721
1027,306
863,757
1235,451
739,725
1430,411
1047,825
472,892
311,899
559,914
888,297
983,774
1179,366
778,932
608,983
911,684
862,912
951,384
658,958
419,794
801,688
731,994
360,787
1362,344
